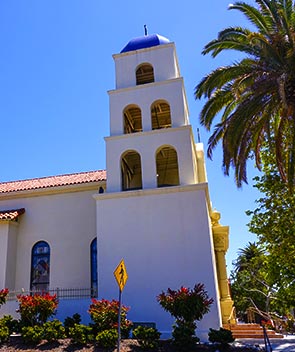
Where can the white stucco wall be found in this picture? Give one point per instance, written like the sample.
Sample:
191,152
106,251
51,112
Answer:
147,145
165,240
144,96
67,222
162,58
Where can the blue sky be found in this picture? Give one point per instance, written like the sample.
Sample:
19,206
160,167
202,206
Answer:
56,67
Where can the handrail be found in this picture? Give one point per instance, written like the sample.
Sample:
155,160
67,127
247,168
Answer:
231,314
267,343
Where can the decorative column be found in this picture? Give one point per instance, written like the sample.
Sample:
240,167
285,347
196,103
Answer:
220,237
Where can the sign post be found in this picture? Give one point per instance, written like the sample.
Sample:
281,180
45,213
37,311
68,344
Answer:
121,276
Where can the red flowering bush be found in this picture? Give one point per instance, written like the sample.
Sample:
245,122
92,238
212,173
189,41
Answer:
186,306
36,309
3,295
105,313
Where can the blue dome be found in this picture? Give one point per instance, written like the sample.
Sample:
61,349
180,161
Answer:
146,41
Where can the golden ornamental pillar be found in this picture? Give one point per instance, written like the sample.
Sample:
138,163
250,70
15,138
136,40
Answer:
220,238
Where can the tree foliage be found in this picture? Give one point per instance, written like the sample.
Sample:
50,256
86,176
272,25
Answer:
255,96
273,221
252,286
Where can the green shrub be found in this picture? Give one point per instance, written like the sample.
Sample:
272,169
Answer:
222,336
53,330
107,338
36,309
184,337
4,333
69,322
105,313
32,335
3,295
186,306
148,338
12,324
80,334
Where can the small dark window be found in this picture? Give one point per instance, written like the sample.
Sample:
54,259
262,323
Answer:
132,120
145,74
167,167
93,268
40,267
131,171
161,115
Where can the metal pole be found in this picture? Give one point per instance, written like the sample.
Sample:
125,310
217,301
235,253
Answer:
267,343
119,320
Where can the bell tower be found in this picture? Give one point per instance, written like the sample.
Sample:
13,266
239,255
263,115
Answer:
150,143
155,213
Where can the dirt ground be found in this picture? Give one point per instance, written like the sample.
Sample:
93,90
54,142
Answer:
130,345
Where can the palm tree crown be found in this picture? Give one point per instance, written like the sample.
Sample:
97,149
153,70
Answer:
251,255
256,95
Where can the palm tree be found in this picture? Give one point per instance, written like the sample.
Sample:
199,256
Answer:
254,97
250,256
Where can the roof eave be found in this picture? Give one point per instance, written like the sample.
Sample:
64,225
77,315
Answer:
37,192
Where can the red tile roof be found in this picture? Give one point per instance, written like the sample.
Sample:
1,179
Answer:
11,214
53,181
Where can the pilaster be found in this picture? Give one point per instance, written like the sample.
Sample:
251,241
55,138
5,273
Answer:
8,233
221,242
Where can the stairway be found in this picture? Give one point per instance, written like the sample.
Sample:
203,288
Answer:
250,331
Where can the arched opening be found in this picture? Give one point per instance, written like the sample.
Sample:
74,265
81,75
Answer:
93,268
145,74
131,171
132,120
40,267
161,116
167,167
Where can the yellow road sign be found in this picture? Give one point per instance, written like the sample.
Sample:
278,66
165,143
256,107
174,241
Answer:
121,275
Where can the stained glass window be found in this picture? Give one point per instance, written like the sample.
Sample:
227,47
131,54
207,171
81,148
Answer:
40,266
93,264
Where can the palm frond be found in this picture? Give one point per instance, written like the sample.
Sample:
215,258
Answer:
269,10
222,98
220,77
253,15
253,100
232,38
286,18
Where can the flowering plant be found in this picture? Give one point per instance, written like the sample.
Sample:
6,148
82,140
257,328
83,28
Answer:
36,309
186,306
105,313
3,295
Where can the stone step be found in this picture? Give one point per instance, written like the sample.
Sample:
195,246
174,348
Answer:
253,331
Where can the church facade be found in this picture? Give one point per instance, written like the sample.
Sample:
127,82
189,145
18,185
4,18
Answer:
68,233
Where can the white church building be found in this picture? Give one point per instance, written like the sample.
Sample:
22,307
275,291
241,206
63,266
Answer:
151,207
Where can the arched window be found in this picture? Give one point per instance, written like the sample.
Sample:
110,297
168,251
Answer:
167,167
132,120
131,171
145,74
93,268
40,266
161,116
